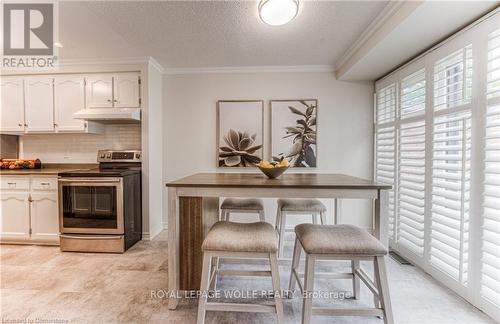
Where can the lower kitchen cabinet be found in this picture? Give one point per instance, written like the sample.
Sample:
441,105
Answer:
15,216
44,217
29,211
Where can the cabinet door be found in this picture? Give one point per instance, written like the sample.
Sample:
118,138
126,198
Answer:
39,94
12,104
14,216
44,217
69,95
99,91
126,90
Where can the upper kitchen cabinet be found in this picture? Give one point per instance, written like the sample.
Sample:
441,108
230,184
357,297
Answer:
119,90
126,90
39,105
69,93
100,91
12,104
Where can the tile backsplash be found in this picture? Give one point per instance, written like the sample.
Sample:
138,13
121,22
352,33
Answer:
79,148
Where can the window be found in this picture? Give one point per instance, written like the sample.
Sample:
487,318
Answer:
453,79
450,194
411,187
438,144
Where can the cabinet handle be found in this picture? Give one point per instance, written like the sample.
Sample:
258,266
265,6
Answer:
25,125
109,100
55,125
20,125
45,183
115,100
11,183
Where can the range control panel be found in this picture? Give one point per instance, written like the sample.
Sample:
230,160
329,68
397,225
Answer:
118,156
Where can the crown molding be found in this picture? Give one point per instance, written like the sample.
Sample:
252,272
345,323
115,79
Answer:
250,69
105,61
384,16
154,63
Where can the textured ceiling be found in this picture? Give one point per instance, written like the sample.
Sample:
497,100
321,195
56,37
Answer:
189,34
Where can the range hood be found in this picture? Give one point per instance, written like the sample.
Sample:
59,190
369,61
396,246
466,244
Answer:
110,115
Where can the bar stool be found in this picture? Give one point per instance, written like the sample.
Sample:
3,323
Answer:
312,207
242,205
341,242
240,240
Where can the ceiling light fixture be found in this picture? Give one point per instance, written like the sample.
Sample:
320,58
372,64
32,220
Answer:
278,12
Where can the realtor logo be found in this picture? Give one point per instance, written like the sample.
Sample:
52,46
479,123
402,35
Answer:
28,29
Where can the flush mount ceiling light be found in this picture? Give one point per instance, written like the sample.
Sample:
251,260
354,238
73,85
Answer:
278,12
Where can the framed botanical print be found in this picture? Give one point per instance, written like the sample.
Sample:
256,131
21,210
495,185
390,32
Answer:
239,133
294,131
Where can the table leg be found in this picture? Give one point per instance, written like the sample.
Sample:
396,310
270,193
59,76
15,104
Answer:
173,246
191,217
381,226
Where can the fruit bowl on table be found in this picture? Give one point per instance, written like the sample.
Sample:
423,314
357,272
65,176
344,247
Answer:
273,170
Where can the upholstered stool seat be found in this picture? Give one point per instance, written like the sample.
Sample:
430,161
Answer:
341,242
301,205
239,240
338,239
241,237
313,207
242,205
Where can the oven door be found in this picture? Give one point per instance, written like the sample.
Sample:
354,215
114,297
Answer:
91,205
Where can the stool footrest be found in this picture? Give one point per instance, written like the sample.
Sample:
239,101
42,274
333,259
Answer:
368,282
325,311
243,273
238,307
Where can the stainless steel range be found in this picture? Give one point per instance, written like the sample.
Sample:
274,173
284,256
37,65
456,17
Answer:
100,209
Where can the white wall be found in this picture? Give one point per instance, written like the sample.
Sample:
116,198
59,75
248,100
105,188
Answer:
345,117
152,184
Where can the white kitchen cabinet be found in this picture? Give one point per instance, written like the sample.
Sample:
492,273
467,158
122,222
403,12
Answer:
69,94
39,104
15,216
99,91
44,217
12,104
126,90
29,210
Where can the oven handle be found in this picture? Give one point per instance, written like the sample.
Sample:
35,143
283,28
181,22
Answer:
107,180
86,237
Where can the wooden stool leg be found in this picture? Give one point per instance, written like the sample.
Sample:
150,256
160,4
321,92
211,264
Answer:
314,218
262,217
355,279
295,267
308,289
323,218
275,276
282,233
205,277
215,269
383,289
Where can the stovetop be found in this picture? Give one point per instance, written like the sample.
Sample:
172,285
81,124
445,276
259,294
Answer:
92,173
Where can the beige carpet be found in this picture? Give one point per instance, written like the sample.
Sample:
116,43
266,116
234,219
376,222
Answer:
41,283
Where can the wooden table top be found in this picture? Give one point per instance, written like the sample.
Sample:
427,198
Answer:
292,180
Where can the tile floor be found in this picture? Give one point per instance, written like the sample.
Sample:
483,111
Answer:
41,283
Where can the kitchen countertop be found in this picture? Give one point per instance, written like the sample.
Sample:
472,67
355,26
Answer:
49,169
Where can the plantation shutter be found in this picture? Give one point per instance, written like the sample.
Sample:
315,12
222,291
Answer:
413,95
411,187
385,162
386,104
385,145
450,194
490,250
453,79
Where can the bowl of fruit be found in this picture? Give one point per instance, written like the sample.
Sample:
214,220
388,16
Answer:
273,169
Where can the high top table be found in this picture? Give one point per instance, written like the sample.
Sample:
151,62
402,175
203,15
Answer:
193,206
